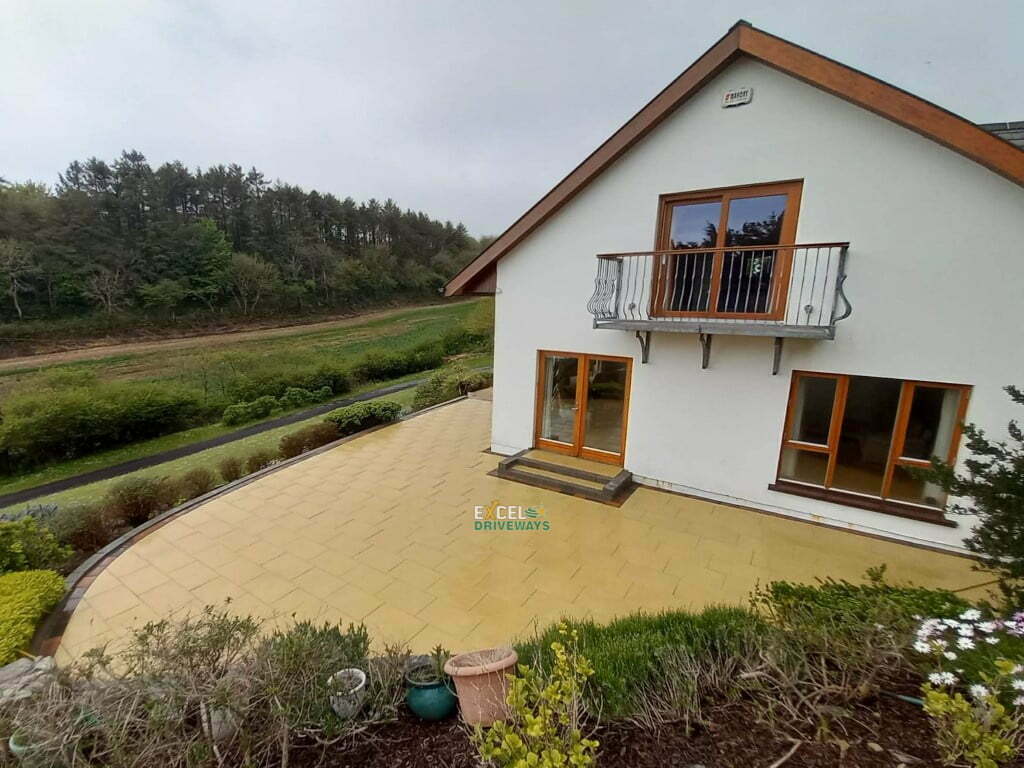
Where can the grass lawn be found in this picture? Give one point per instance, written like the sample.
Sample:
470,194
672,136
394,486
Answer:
245,446
208,458
211,370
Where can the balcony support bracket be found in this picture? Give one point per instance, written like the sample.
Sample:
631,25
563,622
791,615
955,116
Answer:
777,355
705,350
645,345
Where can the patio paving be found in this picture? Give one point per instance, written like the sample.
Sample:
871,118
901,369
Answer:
381,530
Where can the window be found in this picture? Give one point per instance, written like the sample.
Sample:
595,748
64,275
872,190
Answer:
719,281
858,438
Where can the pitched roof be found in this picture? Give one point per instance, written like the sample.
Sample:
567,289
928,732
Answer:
936,123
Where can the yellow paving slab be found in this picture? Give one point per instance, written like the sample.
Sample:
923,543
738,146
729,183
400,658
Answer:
381,530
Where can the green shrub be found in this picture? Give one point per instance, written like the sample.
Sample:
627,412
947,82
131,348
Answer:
381,366
25,597
239,413
359,416
447,384
230,468
307,438
137,499
296,397
25,544
836,643
994,482
196,482
259,460
56,424
626,653
86,527
157,687
801,607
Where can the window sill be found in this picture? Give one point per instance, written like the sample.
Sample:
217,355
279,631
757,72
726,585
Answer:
884,506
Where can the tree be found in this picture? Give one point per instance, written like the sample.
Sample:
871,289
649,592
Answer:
165,294
995,485
107,287
250,278
16,267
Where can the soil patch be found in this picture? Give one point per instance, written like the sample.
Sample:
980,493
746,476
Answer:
882,733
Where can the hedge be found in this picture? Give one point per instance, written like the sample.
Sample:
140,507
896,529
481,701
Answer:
25,597
380,366
56,424
447,384
360,416
239,413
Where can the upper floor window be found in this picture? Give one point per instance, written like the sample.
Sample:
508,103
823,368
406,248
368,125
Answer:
863,435
730,271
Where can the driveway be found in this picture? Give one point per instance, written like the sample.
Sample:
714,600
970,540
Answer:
381,530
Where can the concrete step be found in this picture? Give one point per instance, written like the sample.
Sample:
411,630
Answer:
598,487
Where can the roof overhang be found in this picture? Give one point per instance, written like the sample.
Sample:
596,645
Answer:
742,39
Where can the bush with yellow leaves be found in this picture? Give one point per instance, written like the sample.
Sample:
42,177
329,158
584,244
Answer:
545,728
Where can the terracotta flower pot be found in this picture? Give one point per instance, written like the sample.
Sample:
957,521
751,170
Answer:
480,682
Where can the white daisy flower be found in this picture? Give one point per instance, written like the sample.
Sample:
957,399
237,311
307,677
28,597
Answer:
1019,701
922,647
965,630
965,643
978,691
971,614
942,678
988,627
950,655
991,639
1017,685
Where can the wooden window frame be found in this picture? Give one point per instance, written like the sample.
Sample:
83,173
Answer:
577,448
894,458
793,189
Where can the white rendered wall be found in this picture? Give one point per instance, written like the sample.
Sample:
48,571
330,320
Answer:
936,279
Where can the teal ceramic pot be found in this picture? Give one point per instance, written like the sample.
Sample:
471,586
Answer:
431,701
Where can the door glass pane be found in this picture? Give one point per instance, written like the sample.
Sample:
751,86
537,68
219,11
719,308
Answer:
803,466
907,486
558,417
932,419
812,410
747,275
866,434
687,277
606,395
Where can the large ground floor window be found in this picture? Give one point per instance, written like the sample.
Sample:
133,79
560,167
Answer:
858,439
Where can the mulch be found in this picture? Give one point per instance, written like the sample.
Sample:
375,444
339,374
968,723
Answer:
882,733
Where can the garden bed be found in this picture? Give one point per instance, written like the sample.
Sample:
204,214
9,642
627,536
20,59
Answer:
897,730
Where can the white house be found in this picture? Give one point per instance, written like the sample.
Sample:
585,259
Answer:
782,284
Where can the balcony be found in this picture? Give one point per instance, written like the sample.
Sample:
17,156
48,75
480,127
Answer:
795,291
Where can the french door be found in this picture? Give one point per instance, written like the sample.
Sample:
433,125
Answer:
582,404
718,253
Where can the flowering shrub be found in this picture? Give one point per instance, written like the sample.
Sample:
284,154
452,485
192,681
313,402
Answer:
981,656
544,729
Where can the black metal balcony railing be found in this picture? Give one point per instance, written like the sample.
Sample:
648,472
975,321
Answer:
792,290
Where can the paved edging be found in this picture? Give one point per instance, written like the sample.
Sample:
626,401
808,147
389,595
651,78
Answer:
48,635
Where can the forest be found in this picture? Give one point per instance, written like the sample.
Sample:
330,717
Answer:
122,242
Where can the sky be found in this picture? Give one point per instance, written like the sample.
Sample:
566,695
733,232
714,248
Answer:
469,110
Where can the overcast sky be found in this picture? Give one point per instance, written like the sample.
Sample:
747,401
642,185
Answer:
467,110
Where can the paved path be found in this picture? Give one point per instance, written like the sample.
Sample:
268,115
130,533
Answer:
381,530
116,470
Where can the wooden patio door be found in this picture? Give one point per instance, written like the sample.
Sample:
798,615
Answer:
582,404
